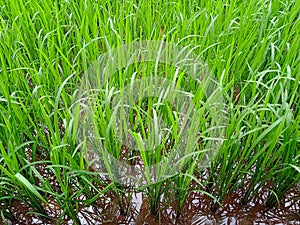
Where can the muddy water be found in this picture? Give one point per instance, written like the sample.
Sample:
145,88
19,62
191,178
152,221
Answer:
196,210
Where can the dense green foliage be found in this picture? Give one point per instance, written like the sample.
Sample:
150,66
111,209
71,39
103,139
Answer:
251,47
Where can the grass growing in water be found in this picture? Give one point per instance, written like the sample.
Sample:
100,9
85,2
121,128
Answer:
46,47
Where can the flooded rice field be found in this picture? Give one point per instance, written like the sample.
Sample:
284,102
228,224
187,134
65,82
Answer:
196,210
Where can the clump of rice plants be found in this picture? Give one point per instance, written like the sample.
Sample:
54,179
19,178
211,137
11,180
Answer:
165,98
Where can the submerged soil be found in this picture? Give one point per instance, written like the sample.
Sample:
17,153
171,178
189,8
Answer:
196,210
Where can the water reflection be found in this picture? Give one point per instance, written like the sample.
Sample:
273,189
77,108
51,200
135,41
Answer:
195,211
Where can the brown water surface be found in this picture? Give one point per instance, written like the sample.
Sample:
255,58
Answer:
196,210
